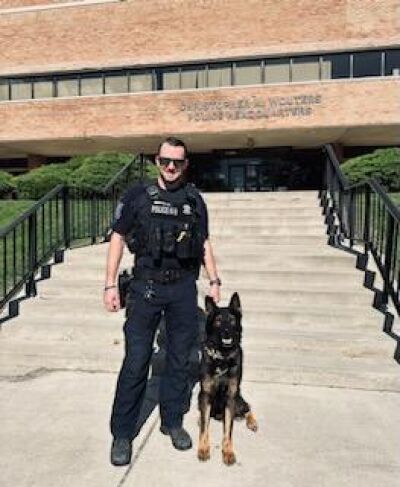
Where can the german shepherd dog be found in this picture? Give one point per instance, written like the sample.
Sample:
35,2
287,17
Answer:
220,377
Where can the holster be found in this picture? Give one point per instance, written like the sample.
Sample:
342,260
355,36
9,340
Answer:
123,284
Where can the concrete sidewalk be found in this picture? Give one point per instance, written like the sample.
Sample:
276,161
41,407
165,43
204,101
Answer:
55,433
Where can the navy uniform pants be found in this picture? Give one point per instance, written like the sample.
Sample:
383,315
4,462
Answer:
178,300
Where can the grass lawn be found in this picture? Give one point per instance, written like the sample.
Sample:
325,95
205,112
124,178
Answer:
86,217
10,209
396,198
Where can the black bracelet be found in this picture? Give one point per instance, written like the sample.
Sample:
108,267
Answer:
216,281
113,286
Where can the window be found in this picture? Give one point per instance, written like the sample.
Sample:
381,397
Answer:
193,77
21,90
4,90
116,83
67,87
335,66
43,89
305,68
367,64
91,85
248,73
171,79
219,75
141,81
277,71
392,63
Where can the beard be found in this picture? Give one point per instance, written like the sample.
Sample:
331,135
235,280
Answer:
174,185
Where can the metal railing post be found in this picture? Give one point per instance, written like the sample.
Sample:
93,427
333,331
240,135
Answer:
32,254
388,259
66,217
93,218
366,236
352,211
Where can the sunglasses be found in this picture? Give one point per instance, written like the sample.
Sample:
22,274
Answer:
178,163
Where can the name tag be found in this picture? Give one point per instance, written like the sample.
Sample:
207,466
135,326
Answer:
164,210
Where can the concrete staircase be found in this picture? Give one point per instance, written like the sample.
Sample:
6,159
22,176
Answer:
318,371
307,317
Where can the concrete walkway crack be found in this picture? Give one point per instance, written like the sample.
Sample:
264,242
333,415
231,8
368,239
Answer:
320,386
139,450
42,371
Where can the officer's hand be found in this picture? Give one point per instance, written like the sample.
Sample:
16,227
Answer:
111,300
214,293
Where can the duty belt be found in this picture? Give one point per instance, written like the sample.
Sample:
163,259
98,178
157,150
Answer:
164,276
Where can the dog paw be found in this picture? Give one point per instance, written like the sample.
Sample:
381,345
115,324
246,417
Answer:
228,457
251,423
253,426
203,454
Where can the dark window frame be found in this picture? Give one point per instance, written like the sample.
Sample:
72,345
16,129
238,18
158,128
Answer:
157,72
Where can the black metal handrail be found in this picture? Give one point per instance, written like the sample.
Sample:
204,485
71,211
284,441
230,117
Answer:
64,216
364,214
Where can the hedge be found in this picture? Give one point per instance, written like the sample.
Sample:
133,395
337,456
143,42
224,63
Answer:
94,172
6,184
84,171
38,182
382,164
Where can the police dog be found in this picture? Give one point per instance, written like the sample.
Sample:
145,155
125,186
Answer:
220,377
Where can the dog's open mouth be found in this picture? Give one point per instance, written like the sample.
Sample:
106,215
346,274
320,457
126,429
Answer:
227,341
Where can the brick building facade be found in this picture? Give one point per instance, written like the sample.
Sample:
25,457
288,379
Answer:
226,75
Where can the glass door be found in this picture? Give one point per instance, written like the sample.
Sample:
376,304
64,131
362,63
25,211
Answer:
237,177
252,177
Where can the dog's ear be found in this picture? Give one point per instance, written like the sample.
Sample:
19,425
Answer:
210,306
234,304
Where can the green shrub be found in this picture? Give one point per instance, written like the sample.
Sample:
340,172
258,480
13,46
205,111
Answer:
151,170
85,172
38,182
382,164
6,184
94,172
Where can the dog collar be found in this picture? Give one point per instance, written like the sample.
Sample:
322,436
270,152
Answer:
216,355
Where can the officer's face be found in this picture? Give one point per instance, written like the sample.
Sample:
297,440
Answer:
170,170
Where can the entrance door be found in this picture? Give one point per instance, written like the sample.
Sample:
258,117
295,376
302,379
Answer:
237,177
252,177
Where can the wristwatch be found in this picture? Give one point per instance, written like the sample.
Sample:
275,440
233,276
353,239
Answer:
216,281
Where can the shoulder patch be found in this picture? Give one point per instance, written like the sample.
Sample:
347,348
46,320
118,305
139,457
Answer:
118,210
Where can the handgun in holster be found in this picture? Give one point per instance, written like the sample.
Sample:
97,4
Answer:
123,285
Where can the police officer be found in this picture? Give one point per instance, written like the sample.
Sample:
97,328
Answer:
166,226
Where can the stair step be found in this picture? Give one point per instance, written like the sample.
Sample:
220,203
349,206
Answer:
257,298
290,263
294,240
261,221
263,205
268,227
265,212
291,280
260,195
354,346
378,374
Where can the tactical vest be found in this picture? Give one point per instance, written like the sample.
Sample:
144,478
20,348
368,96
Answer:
168,226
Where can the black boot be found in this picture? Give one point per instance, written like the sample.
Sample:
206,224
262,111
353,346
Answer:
121,451
180,437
